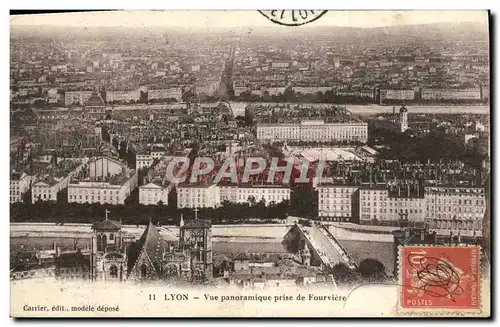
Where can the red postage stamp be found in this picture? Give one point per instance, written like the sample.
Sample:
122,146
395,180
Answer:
440,277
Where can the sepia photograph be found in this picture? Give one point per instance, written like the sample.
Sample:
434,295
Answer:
250,163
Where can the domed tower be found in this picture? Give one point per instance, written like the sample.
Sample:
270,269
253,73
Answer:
109,257
403,118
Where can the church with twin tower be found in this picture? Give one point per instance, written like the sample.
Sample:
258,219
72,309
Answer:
151,257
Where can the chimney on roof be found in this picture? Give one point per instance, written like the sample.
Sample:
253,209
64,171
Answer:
408,187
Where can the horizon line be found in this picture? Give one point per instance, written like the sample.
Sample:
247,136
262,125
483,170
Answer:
234,19
308,26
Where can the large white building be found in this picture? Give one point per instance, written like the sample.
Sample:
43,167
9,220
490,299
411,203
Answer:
336,202
314,131
311,89
228,193
48,186
114,191
456,210
448,211
47,189
271,90
198,196
451,94
19,185
170,93
105,167
381,205
77,97
123,96
400,95
358,94
268,193
105,180
153,193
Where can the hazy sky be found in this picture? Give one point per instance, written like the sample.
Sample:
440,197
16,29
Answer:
244,18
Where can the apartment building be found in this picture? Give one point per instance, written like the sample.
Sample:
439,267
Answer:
270,194
48,186
228,193
123,96
336,202
451,94
311,89
20,182
198,196
153,193
357,94
47,189
455,211
271,90
391,205
170,93
76,97
399,95
448,211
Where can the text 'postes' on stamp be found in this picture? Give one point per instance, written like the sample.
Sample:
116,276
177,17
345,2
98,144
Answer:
440,277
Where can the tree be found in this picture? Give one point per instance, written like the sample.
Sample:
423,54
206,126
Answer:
289,95
266,96
372,270
252,201
344,275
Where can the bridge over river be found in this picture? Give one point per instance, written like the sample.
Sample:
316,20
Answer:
324,247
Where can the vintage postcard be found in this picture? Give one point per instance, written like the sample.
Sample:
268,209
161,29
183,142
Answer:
257,163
